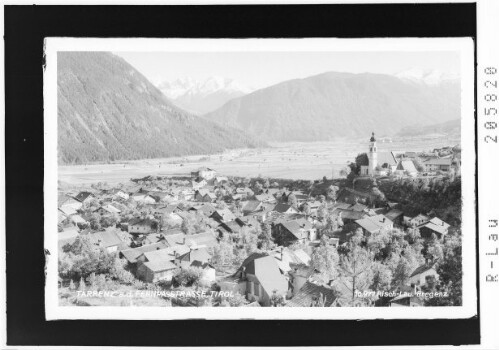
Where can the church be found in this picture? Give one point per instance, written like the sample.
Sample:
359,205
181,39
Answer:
380,163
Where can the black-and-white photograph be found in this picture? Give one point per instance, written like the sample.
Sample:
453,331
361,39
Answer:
304,173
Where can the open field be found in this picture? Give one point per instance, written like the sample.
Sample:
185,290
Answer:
307,161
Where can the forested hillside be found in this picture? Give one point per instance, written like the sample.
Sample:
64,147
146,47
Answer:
336,105
108,111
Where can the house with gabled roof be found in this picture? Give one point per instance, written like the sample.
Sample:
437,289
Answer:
375,224
435,226
67,210
396,216
287,258
107,239
438,164
120,194
406,167
157,265
84,197
205,196
286,233
107,209
285,208
67,236
417,220
266,198
349,216
142,226
252,206
78,220
260,276
223,215
199,254
423,275
204,173
131,254
358,207
143,198
198,183
64,200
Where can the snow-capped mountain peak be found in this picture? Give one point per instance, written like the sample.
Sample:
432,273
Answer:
426,76
174,89
202,96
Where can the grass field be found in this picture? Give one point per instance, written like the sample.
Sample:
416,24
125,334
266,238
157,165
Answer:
307,161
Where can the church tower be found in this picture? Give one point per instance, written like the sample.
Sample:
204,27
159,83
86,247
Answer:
373,155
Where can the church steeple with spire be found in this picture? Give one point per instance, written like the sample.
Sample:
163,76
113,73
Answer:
373,155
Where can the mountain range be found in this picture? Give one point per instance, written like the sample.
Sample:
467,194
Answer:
427,76
108,111
201,97
337,105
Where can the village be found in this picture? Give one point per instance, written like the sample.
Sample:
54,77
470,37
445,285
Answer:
370,238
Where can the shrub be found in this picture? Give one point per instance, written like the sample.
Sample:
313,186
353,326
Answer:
188,277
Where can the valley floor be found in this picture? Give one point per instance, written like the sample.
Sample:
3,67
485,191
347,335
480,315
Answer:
307,161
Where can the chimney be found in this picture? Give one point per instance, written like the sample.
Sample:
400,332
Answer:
383,219
183,240
282,251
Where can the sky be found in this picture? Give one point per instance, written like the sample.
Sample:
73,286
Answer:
261,69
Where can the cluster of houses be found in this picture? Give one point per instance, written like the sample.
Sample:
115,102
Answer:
402,163
156,252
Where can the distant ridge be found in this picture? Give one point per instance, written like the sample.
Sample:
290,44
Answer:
108,111
336,105
449,128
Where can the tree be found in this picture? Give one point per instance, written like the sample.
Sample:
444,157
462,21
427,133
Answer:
94,221
119,273
223,255
378,195
187,225
402,272
236,300
266,184
292,200
306,209
258,187
361,159
189,276
345,171
322,212
276,299
434,250
81,285
382,277
83,258
91,279
332,193
265,241
248,240
450,273
325,260
355,272
377,242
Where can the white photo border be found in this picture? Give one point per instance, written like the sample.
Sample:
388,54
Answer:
465,46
